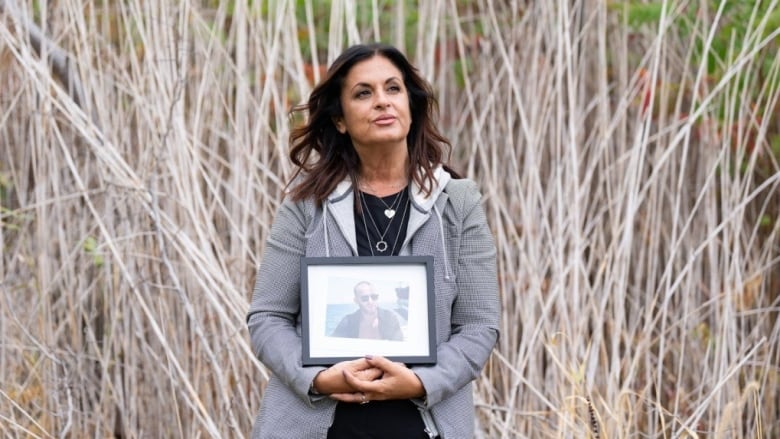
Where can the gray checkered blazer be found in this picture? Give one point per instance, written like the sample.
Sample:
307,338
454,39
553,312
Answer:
450,225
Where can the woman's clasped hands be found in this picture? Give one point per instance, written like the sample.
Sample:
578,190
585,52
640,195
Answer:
372,378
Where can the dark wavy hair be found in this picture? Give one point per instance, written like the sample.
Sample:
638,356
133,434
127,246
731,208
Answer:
336,158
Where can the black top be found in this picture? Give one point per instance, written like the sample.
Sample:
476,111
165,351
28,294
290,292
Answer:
380,223
379,419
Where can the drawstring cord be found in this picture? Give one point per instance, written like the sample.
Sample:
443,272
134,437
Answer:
325,227
443,244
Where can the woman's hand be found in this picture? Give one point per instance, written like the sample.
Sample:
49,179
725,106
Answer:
331,380
397,382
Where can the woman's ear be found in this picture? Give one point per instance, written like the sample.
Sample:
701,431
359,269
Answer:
339,123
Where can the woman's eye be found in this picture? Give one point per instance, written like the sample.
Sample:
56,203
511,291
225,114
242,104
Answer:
362,94
394,88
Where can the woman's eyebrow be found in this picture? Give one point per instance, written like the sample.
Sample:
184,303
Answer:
366,84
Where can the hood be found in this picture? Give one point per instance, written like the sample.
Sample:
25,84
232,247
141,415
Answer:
418,198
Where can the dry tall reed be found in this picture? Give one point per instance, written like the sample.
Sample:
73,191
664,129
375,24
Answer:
633,195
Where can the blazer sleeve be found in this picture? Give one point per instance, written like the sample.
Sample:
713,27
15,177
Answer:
475,311
275,307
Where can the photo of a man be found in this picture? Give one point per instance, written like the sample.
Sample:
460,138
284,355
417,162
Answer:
369,321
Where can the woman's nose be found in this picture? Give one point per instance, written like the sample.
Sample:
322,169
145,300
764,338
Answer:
381,100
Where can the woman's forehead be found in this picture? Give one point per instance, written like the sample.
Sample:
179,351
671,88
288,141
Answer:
377,69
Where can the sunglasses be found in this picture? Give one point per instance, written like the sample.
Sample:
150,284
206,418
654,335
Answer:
373,297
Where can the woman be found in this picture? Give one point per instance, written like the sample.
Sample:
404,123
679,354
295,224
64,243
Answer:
371,181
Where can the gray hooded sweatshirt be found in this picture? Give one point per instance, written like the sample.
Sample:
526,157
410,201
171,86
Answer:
449,225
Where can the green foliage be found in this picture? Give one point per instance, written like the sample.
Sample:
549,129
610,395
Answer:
9,218
774,144
639,14
364,16
37,10
321,14
737,21
737,33
5,184
231,5
772,22
90,247
461,67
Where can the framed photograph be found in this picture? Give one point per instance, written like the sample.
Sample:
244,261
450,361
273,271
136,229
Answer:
357,306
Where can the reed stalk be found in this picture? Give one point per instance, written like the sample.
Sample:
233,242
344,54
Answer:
629,167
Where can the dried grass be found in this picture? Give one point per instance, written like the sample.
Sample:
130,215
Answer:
634,199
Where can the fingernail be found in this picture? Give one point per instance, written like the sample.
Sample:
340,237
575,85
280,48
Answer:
369,357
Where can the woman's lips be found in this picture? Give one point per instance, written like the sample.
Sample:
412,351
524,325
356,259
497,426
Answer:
384,120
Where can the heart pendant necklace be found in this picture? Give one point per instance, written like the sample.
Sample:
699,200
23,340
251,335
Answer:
390,209
381,244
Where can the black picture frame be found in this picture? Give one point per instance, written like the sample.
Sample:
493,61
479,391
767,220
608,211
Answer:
332,322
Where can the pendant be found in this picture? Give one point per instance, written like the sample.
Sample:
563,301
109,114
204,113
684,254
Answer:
389,213
381,245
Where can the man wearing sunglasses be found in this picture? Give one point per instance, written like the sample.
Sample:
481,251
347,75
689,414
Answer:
369,321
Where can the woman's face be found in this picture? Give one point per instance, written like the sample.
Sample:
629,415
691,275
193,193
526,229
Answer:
375,105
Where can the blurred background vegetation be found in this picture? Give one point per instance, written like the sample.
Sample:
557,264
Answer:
627,152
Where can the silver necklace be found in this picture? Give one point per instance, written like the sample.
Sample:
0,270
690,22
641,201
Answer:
391,209
381,245
403,216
